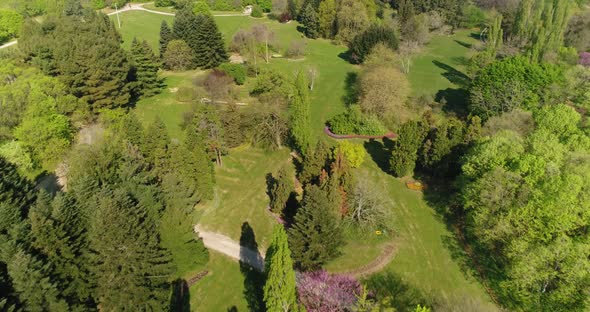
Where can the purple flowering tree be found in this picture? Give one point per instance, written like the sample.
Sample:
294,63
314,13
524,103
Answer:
585,59
323,292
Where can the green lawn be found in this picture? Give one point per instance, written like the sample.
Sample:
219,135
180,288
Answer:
439,65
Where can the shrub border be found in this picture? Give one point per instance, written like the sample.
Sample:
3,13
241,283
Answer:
331,134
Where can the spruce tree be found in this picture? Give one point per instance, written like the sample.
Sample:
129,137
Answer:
314,162
199,163
316,236
311,21
405,151
165,37
280,287
155,143
58,228
132,270
210,47
145,68
300,123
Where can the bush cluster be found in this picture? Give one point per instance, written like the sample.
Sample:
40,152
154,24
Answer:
236,71
353,121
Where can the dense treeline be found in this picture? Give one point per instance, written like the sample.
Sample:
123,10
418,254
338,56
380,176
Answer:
112,238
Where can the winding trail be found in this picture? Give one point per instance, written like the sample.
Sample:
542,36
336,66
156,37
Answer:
133,7
231,248
376,265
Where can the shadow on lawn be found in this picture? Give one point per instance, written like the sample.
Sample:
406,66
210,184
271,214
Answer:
351,94
253,279
380,152
181,298
453,75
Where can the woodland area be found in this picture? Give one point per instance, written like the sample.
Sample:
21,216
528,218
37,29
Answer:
122,131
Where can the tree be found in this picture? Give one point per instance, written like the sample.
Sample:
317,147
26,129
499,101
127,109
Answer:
364,43
351,20
155,144
165,37
145,68
354,153
219,85
383,92
309,19
316,236
327,18
209,46
368,209
280,190
405,152
495,37
299,123
314,163
93,44
178,55
132,269
510,83
280,287
10,24
577,34
525,201
322,292
201,7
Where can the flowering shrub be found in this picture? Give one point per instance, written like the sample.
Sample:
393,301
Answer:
585,59
322,292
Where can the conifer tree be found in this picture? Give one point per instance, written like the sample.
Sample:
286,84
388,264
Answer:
316,236
131,268
280,191
165,37
210,47
59,233
200,167
300,123
145,68
280,287
405,152
314,162
309,18
155,143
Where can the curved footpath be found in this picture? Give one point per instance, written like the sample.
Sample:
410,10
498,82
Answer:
233,249
132,7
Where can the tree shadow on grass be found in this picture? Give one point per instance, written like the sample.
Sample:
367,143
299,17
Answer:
351,94
380,152
253,279
453,75
464,44
403,296
453,101
347,56
180,299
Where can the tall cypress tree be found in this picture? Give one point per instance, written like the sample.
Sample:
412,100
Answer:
145,68
165,37
300,123
280,286
316,236
210,47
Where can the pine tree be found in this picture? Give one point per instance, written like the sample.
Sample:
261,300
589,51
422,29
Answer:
281,190
131,268
165,37
145,68
309,18
210,47
316,236
327,18
132,129
280,286
300,123
155,143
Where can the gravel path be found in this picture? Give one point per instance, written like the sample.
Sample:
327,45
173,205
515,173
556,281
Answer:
231,248
8,44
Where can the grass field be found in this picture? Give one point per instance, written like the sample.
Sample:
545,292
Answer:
425,247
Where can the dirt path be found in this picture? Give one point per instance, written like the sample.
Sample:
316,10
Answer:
231,248
376,265
10,44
